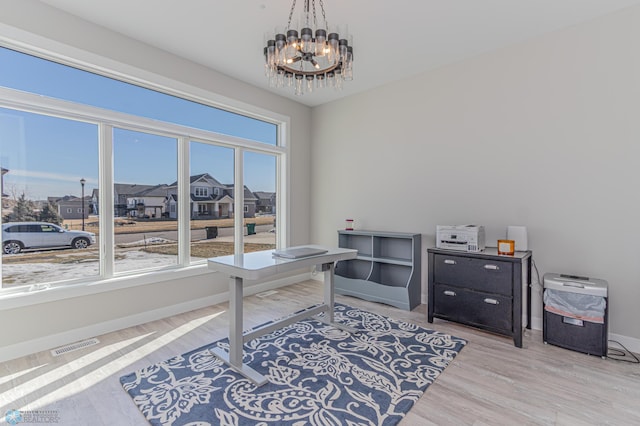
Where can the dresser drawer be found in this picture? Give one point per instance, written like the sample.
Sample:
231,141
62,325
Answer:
492,276
488,311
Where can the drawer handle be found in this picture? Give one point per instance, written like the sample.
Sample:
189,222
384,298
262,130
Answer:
449,293
450,262
491,267
491,301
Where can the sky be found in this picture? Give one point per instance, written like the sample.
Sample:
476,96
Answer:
48,156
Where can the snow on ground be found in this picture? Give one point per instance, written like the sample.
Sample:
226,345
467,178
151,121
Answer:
133,260
30,273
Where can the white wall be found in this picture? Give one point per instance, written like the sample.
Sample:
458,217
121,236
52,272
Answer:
543,134
31,327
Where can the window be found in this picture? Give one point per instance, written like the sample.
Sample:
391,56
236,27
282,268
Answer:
260,182
146,154
148,163
213,164
49,228
62,82
36,172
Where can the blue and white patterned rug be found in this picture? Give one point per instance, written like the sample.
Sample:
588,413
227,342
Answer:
318,375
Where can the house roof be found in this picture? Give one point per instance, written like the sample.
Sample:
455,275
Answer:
131,188
248,194
156,191
202,176
263,195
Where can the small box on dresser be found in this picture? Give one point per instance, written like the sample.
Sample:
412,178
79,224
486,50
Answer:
483,290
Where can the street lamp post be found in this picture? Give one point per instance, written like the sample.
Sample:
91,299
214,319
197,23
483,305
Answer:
82,182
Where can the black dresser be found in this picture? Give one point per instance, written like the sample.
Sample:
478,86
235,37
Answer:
483,290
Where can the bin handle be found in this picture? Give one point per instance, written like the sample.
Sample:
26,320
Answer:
449,293
571,284
491,301
491,267
450,262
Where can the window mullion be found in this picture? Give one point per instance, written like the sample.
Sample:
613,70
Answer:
105,201
184,202
238,196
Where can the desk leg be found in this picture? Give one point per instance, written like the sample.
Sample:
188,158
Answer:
236,339
235,321
329,298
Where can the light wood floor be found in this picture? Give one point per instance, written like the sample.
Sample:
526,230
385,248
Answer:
490,382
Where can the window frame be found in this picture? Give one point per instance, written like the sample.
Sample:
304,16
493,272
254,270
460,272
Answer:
107,281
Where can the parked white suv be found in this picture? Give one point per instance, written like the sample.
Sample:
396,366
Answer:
17,236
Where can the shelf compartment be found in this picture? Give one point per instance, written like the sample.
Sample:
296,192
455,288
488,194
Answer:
394,249
391,274
362,243
354,269
374,292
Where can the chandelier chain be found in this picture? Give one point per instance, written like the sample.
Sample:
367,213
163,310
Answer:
315,22
293,6
324,17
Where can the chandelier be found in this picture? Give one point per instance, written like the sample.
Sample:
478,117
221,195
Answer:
310,58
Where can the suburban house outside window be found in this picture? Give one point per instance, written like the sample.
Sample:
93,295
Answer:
157,182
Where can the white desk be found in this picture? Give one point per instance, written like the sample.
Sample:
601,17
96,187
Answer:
260,265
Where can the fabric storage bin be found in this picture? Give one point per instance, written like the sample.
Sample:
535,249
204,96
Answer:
575,313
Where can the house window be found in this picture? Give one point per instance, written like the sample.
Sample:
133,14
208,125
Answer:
123,151
148,103
214,163
36,172
201,192
80,210
128,148
259,177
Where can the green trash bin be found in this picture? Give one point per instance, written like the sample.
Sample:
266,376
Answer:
251,228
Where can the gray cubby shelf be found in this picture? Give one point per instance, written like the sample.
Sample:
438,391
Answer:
386,270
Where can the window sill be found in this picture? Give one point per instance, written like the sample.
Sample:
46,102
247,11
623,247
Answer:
59,292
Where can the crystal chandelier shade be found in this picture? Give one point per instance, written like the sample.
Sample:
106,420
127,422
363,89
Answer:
309,58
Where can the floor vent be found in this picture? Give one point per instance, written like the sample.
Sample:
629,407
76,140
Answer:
266,293
74,346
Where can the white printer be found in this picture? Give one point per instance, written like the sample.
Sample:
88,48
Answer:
460,237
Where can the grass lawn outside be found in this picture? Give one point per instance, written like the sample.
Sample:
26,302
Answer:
132,226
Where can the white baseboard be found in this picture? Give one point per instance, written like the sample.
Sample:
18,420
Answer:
631,343
21,349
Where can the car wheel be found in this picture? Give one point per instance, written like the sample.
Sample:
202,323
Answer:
80,243
12,247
